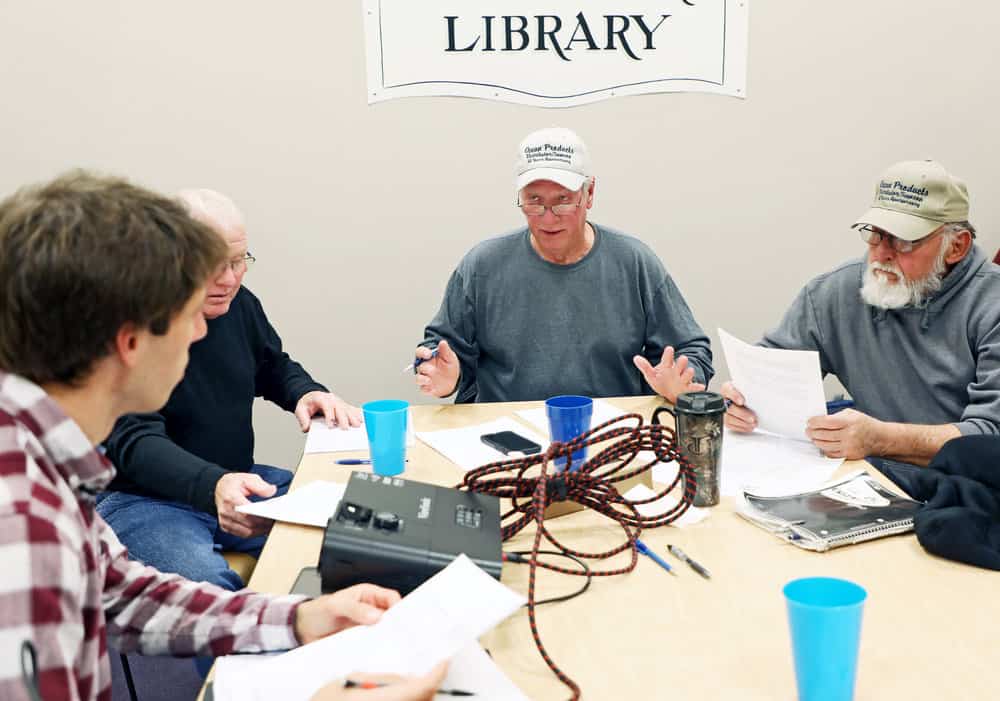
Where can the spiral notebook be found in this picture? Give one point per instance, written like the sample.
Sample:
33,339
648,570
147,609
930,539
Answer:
848,510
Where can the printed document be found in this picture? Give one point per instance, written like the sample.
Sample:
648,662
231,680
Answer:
783,387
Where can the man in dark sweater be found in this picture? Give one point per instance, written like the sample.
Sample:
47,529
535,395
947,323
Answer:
183,470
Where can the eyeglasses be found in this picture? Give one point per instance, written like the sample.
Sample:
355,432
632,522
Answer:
239,265
560,210
873,237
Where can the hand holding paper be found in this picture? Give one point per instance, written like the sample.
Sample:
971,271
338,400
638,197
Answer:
362,604
783,387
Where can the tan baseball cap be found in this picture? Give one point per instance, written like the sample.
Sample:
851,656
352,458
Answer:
913,198
554,154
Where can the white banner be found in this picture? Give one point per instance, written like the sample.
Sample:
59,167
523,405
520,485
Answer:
554,53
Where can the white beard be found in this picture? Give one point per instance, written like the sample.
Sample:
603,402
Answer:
878,291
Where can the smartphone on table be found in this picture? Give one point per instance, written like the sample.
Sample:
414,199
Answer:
508,442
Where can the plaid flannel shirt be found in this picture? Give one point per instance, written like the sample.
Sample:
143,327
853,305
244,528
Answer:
66,581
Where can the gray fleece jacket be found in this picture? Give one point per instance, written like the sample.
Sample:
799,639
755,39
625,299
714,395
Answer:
524,328
935,364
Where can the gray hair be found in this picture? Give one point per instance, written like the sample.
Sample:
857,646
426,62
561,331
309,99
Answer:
952,229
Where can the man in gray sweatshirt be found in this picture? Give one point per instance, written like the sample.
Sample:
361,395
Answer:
563,305
912,330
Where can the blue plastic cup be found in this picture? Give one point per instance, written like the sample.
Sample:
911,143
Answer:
569,416
824,617
385,424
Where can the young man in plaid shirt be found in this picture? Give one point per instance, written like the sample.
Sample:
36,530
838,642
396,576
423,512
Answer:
102,286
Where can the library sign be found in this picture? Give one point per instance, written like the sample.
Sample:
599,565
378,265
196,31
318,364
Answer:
568,53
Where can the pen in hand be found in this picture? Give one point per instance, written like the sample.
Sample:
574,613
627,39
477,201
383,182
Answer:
682,556
351,684
416,361
644,549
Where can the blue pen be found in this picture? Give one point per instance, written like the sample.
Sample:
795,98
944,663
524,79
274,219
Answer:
416,361
837,404
641,547
356,461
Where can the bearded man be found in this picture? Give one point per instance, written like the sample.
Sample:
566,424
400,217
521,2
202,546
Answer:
912,330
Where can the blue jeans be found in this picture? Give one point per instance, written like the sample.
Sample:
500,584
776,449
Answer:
174,537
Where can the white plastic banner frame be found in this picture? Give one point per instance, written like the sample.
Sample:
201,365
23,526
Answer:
557,53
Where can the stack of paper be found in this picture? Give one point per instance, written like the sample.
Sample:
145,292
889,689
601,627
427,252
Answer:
784,388
767,464
442,617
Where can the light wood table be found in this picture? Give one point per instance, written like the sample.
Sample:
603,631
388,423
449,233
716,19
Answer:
930,628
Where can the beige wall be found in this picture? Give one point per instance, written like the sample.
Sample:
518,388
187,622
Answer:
358,214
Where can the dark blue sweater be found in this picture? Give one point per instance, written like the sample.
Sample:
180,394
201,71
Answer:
205,430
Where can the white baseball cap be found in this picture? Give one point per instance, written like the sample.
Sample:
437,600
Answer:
554,154
913,198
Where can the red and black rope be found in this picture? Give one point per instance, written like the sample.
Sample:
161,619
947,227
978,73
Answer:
531,487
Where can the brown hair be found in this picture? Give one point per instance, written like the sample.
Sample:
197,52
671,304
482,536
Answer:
84,255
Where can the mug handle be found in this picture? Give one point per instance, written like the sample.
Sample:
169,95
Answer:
658,411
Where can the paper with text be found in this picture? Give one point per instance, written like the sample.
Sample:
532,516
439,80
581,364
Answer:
783,387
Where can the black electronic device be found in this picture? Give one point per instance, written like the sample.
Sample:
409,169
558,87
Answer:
508,442
398,533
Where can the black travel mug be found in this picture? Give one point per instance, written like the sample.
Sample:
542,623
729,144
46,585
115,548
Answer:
698,420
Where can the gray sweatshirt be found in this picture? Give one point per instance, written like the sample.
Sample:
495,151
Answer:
936,364
527,329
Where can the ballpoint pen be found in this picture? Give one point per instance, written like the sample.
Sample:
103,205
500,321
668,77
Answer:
642,548
351,684
356,461
416,361
680,555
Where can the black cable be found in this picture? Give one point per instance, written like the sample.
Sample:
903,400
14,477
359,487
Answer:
29,670
518,556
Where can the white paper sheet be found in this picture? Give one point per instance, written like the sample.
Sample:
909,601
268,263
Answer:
437,620
663,504
464,447
783,387
767,464
470,670
603,411
473,670
323,439
312,504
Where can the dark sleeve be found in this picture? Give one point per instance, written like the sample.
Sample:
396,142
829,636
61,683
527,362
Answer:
669,322
455,322
278,378
149,462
